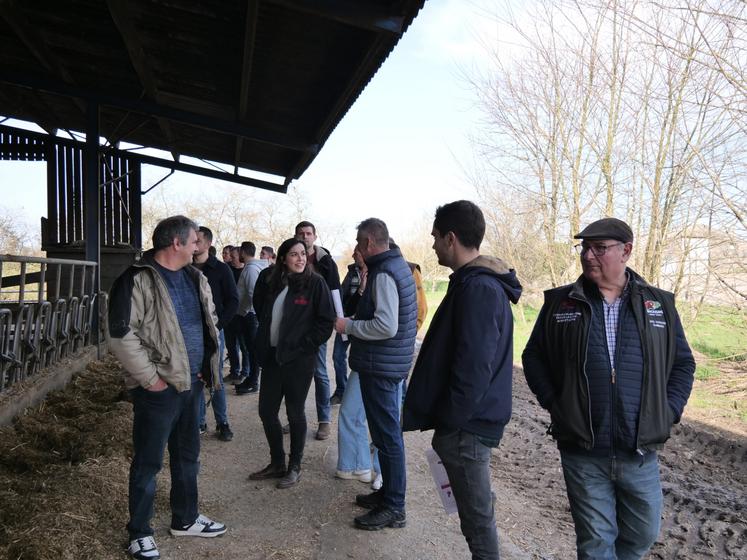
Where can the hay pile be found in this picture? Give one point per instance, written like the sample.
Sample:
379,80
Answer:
63,472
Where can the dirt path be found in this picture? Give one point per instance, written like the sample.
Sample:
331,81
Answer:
313,519
703,475
63,485
704,478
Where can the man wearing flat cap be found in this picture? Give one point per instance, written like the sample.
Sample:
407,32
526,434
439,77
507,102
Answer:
609,360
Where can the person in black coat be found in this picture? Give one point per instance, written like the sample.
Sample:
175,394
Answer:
461,383
295,313
226,300
608,359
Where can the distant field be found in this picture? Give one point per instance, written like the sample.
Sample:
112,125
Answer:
718,337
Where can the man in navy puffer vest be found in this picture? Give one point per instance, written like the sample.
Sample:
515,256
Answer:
382,341
609,360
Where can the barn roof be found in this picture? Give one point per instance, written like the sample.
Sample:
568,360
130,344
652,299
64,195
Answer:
254,84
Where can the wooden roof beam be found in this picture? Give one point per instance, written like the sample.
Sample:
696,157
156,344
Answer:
19,102
36,43
151,108
250,34
360,13
120,13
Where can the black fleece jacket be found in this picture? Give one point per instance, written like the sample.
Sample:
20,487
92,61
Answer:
308,317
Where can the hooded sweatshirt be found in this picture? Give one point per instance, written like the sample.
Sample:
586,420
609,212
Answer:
462,377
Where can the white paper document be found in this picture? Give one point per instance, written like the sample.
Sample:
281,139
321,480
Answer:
441,479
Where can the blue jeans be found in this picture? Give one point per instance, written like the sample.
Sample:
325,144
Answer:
247,333
340,361
467,462
233,334
375,462
164,418
381,399
353,451
321,385
218,400
616,505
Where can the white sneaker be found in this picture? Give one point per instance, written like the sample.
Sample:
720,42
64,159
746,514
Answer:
202,527
362,475
143,548
377,482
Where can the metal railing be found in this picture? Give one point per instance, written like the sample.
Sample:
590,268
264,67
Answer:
47,312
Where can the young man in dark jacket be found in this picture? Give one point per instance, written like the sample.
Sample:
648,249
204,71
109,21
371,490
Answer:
226,300
609,360
461,384
323,264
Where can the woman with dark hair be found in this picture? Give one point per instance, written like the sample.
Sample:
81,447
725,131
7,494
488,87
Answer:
295,313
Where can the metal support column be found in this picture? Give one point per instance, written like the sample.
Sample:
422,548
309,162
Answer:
92,208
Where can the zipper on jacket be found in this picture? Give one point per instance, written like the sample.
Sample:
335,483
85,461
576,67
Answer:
583,368
642,325
613,383
613,389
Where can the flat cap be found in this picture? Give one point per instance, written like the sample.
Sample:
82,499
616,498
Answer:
607,228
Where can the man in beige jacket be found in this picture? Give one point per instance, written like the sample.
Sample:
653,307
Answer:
162,327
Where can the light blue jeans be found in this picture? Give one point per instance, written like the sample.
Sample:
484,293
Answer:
321,386
616,505
218,401
353,449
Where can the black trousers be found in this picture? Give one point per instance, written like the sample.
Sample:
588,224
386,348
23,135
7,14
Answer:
292,381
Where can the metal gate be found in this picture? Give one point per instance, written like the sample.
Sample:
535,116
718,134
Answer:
46,313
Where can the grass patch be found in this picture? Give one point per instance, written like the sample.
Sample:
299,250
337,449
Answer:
703,372
524,318
433,299
719,406
718,332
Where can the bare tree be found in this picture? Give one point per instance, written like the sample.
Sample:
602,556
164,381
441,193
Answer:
16,236
615,107
417,247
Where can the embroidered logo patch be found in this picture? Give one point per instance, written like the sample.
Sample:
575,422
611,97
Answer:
567,312
655,314
300,300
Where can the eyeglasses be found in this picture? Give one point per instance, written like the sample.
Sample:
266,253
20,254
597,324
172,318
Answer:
596,250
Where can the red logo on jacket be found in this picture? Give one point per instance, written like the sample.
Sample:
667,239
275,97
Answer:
301,300
567,305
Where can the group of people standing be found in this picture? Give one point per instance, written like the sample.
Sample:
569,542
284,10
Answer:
607,358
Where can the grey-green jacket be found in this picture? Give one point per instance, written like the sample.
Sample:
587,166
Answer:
144,333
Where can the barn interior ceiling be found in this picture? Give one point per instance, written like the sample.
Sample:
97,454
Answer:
254,84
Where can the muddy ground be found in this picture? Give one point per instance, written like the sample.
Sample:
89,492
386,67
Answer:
63,487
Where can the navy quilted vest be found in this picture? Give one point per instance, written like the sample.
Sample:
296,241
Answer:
615,406
391,357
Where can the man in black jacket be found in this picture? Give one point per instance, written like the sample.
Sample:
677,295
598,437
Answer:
322,263
461,384
226,300
609,360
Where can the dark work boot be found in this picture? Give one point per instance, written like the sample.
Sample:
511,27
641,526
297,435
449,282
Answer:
224,432
381,517
291,477
370,501
270,471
